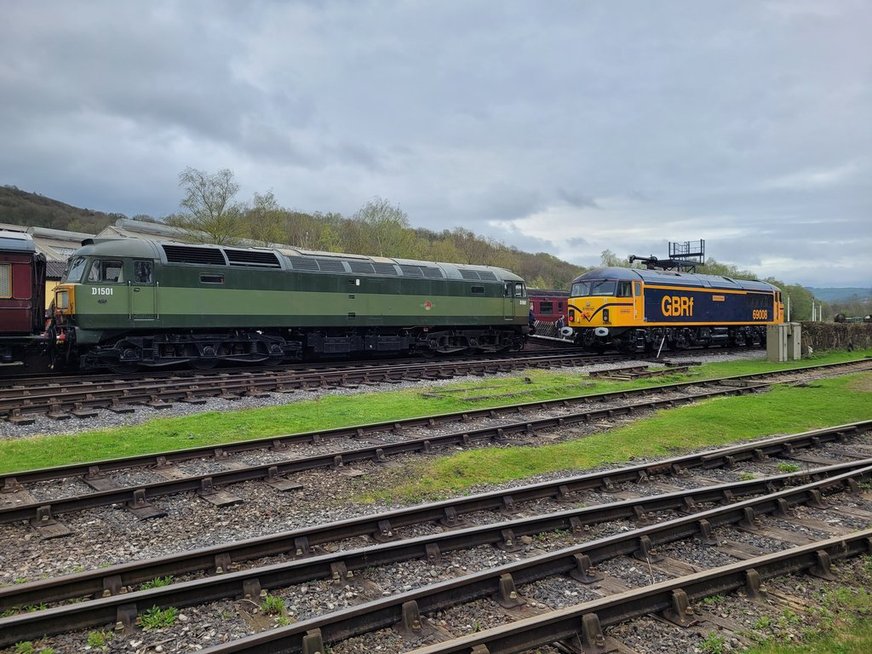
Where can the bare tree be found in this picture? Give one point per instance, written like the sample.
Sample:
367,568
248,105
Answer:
211,215
388,228
265,220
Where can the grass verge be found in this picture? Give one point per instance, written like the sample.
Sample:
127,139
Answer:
163,434
720,421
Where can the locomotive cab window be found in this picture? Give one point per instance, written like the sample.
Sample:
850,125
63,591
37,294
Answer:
587,289
76,270
519,290
106,270
625,289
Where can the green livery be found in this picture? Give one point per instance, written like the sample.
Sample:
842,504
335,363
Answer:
137,302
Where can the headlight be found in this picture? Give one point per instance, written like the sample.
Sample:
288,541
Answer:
605,315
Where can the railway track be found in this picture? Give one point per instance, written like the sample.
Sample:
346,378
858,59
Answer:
100,483
739,505
64,396
81,395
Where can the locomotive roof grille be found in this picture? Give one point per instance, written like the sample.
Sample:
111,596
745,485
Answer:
361,267
469,274
432,273
331,265
384,268
304,263
411,271
191,254
487,275
252,258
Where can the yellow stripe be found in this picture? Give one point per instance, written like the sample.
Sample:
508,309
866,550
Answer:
695,324
699,289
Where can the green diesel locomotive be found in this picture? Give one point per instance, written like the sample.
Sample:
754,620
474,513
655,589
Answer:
128,303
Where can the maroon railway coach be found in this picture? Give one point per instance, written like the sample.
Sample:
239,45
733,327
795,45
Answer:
22,296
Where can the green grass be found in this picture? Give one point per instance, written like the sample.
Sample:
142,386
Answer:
272,605
163,434
840,623
709,423
157,582
156,618
99,639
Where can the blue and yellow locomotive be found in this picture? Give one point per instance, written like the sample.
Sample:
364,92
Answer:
637,310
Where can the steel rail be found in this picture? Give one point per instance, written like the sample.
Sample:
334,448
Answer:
291,367
382,527
99,393
372,615
207,482
122,396
12,480
583,623
353,431
379,614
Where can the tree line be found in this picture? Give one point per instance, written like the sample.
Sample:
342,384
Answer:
211,213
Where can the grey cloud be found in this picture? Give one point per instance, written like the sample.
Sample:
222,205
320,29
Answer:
697,115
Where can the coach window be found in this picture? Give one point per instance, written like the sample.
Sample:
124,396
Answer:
106,270
546,307
6,280
625,289
142,272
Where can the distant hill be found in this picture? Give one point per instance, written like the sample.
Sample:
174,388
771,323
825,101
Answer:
19,207
841,294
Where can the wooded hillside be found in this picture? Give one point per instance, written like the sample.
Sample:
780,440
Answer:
19,207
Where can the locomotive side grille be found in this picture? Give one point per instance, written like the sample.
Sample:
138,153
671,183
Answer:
252,258
304,263
331,265
191,254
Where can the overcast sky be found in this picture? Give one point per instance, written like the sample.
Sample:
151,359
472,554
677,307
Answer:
567,127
